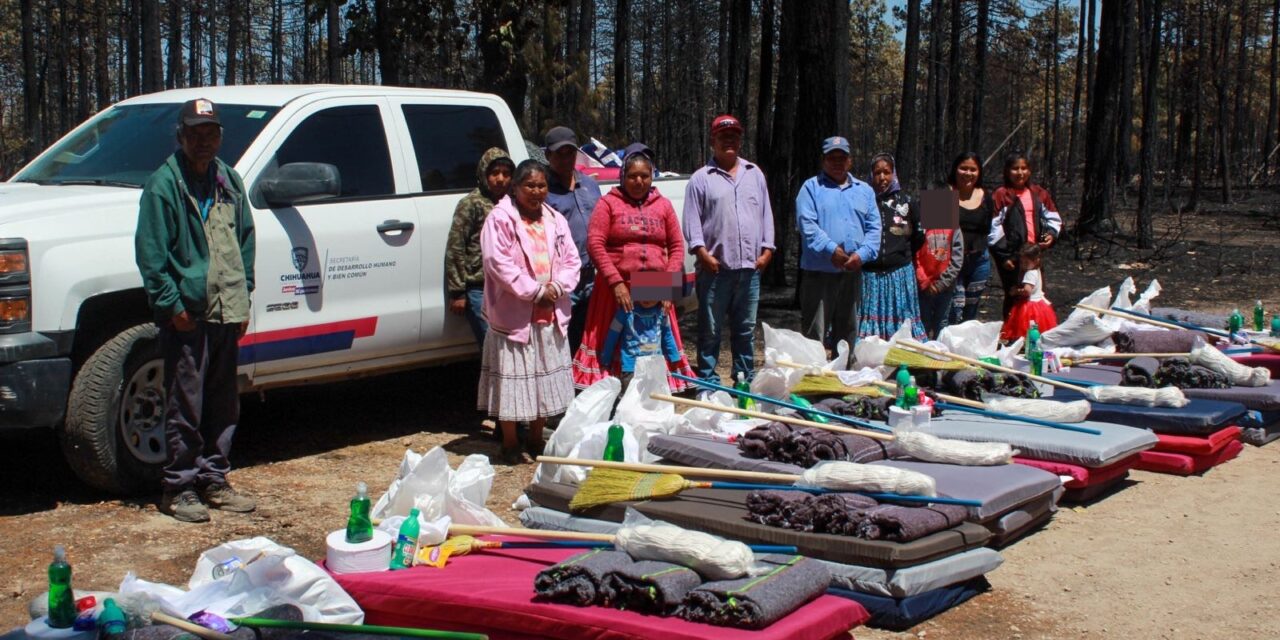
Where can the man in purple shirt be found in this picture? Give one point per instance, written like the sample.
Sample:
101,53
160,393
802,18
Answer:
728,225
574,194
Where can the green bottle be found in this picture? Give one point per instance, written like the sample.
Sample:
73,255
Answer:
359,526
911,396
1275,325
62,601
803,403
111,622
1259,316
743,401
406,542
1035,356
613,449
1236,322
903,376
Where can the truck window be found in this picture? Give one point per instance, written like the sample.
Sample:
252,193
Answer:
448,141
350,138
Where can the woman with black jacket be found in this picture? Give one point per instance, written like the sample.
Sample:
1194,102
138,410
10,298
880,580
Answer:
890,295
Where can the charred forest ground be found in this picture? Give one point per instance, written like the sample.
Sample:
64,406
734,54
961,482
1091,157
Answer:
1165,557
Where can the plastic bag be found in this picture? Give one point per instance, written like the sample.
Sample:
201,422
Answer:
590,446
593,405
642,414
973,339
791,346
1143,305
438,491
709,422
1124,294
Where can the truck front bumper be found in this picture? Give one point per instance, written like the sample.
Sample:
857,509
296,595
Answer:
35,379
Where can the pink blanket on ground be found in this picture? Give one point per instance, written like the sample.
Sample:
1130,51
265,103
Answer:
492,592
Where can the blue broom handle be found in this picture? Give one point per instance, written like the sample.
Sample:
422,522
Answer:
1009,416
781,403
749,486
774,548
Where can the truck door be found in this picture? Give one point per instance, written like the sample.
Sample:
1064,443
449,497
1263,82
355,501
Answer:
337,279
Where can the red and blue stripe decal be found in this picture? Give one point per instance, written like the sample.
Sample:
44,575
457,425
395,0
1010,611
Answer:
304,341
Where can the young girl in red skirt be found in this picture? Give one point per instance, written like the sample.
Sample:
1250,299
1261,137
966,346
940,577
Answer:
1030,302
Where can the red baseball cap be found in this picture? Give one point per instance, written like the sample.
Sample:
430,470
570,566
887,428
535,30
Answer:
725,122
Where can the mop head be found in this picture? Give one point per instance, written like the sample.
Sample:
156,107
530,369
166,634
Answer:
1064,412
930,448
821,386
607,486
711,557
1238,374
898,356
1162,397
851,476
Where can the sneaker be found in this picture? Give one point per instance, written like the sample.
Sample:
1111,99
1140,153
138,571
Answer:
184,506
222,496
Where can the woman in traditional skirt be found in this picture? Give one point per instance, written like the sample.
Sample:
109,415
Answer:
530,266
633,229
889,292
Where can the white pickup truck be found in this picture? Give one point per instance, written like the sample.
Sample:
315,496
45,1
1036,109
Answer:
350,275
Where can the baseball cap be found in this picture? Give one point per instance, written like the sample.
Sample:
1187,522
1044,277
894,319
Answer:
835,143
638,147
560,136
199,111
725,122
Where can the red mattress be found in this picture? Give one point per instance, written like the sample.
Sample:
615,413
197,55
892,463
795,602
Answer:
1184,464
492,592
1266,360
1195,446
1082,477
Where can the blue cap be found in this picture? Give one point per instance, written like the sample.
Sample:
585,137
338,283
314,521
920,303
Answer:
835,143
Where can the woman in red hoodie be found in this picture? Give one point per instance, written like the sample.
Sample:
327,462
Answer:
634,228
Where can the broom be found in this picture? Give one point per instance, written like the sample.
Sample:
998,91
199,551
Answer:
605,538
875,435
648,481
778,402
898,356
829,385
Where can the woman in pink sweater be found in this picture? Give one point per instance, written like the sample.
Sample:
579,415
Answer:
634,228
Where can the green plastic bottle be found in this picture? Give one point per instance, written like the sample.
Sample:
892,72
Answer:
903,376
911,396
1035,356
111,622
359,526
613,449
743,401
1259,317
800,401
1235,322
62,601
406,542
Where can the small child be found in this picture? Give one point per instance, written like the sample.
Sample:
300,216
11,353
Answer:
1030,302
643,331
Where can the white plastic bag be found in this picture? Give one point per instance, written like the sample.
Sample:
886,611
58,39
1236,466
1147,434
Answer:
593,405
438,491
972,338
1143,305
643,414
792,346
594,437
1124,295
709,422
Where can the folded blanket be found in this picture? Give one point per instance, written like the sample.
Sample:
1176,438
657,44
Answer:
904,524
578,580
972,383
756,602
840,513
855,406
1172,372
779,509
1157,341
762,441
649,586
1140,372
286,612
823,445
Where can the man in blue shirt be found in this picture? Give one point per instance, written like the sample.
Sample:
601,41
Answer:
839,225
574,194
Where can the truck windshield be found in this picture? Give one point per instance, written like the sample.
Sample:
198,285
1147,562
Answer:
123,146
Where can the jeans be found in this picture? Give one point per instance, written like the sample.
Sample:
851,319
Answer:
970,284
579,298
934,311
829,306
727,299
475,314
202,404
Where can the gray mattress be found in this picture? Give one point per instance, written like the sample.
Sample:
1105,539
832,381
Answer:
1085,449
1264,398
1000,488
892,583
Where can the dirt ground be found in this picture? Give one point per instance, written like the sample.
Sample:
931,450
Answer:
1163,557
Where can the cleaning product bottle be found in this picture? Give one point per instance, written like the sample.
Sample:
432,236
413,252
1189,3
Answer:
743,401
902,376
613,449
406,542
62,604
1259,316
911,396
1035,356
803,403
1275,325
111,623
1235,323
359,526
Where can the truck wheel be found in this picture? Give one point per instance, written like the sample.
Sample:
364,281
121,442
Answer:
113,436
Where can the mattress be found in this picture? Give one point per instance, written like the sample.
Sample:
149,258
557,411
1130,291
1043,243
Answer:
492,592
1081,477
1269,361
893,583
1264,398
1184,464
1095,491
1209,444
1000,488
1258,436
722,512
900,614
1115,443
1199,417
1030,525
1025,519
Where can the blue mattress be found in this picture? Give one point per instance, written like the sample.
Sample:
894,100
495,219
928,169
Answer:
1199,418
900,614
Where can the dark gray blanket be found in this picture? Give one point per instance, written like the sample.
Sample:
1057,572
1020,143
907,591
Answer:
840,513
758,601
971,383
779,508
806,447
1170,372
279,612
1158,341
904,524
579,579
649,586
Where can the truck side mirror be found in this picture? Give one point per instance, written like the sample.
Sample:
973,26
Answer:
299,182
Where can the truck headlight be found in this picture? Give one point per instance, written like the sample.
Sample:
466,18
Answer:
15,313
14,265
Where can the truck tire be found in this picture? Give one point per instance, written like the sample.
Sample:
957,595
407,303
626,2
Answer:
113,435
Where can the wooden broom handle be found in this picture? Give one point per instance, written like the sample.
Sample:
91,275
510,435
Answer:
771,417
1126,316
476,530
188,626
915,346
684,471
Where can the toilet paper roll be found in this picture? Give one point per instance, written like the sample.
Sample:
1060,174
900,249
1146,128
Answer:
39,628
362,557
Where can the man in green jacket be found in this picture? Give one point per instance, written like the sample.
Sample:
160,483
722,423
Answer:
195,249
463,267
